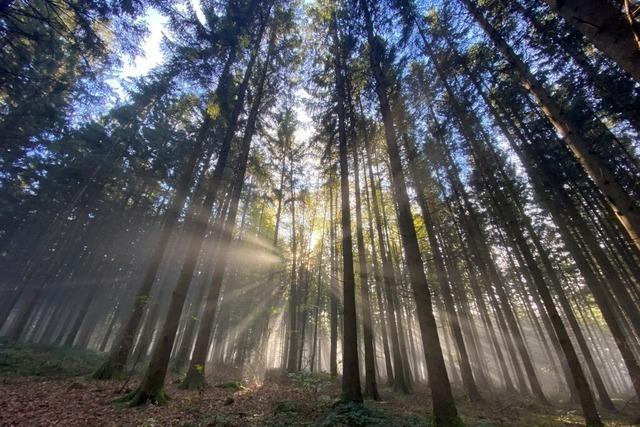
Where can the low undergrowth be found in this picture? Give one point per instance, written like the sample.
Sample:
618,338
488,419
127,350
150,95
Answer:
41,385
27,360
358,415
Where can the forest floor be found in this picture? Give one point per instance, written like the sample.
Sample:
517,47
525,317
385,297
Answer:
50,386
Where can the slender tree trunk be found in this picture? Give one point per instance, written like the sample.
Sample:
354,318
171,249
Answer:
468,325
444,408
292,336
597,288
195,378
371,386
446,292
400,378
314,349
490,271
350,369
115,364
622,203
378,285
504,207
486,262
477,292
151,387
333,290
566,306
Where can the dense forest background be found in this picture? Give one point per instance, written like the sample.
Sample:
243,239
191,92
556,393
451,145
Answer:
385,198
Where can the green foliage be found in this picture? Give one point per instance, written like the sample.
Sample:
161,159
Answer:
286,407
354,414
142,300
46,361
312,381
213,109
358,414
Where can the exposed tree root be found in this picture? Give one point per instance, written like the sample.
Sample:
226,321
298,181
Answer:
139,397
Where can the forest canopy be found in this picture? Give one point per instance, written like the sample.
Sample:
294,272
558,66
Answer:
367,200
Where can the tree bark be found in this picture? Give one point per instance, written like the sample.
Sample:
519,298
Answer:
350,370
371,386
151,387
604,25
378,281
447,296
444,408
195,378
114,366
622,203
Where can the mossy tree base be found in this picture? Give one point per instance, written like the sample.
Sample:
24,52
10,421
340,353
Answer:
139,397
193,381
109,371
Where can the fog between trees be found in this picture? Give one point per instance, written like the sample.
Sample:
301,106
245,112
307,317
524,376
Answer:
394,192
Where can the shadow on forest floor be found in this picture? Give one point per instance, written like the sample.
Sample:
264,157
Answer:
45,385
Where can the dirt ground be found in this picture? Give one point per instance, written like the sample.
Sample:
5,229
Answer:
275,402
47,387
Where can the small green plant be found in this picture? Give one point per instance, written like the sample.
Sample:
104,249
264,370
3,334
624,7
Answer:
354,414
314,382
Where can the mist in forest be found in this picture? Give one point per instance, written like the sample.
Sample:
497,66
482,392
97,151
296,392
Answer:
372,210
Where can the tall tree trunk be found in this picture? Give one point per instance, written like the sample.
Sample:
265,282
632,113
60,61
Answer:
505,209
471,257
562,217
114,365
195,378
292,336
622,203
566,306
314,348
371,386
400,378
151,387
441,274
468,325
333,289
603,24
378,282
490,272
444,408
350,363
483,254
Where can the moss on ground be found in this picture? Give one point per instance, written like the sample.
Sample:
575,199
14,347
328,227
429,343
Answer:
28,360
233,385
